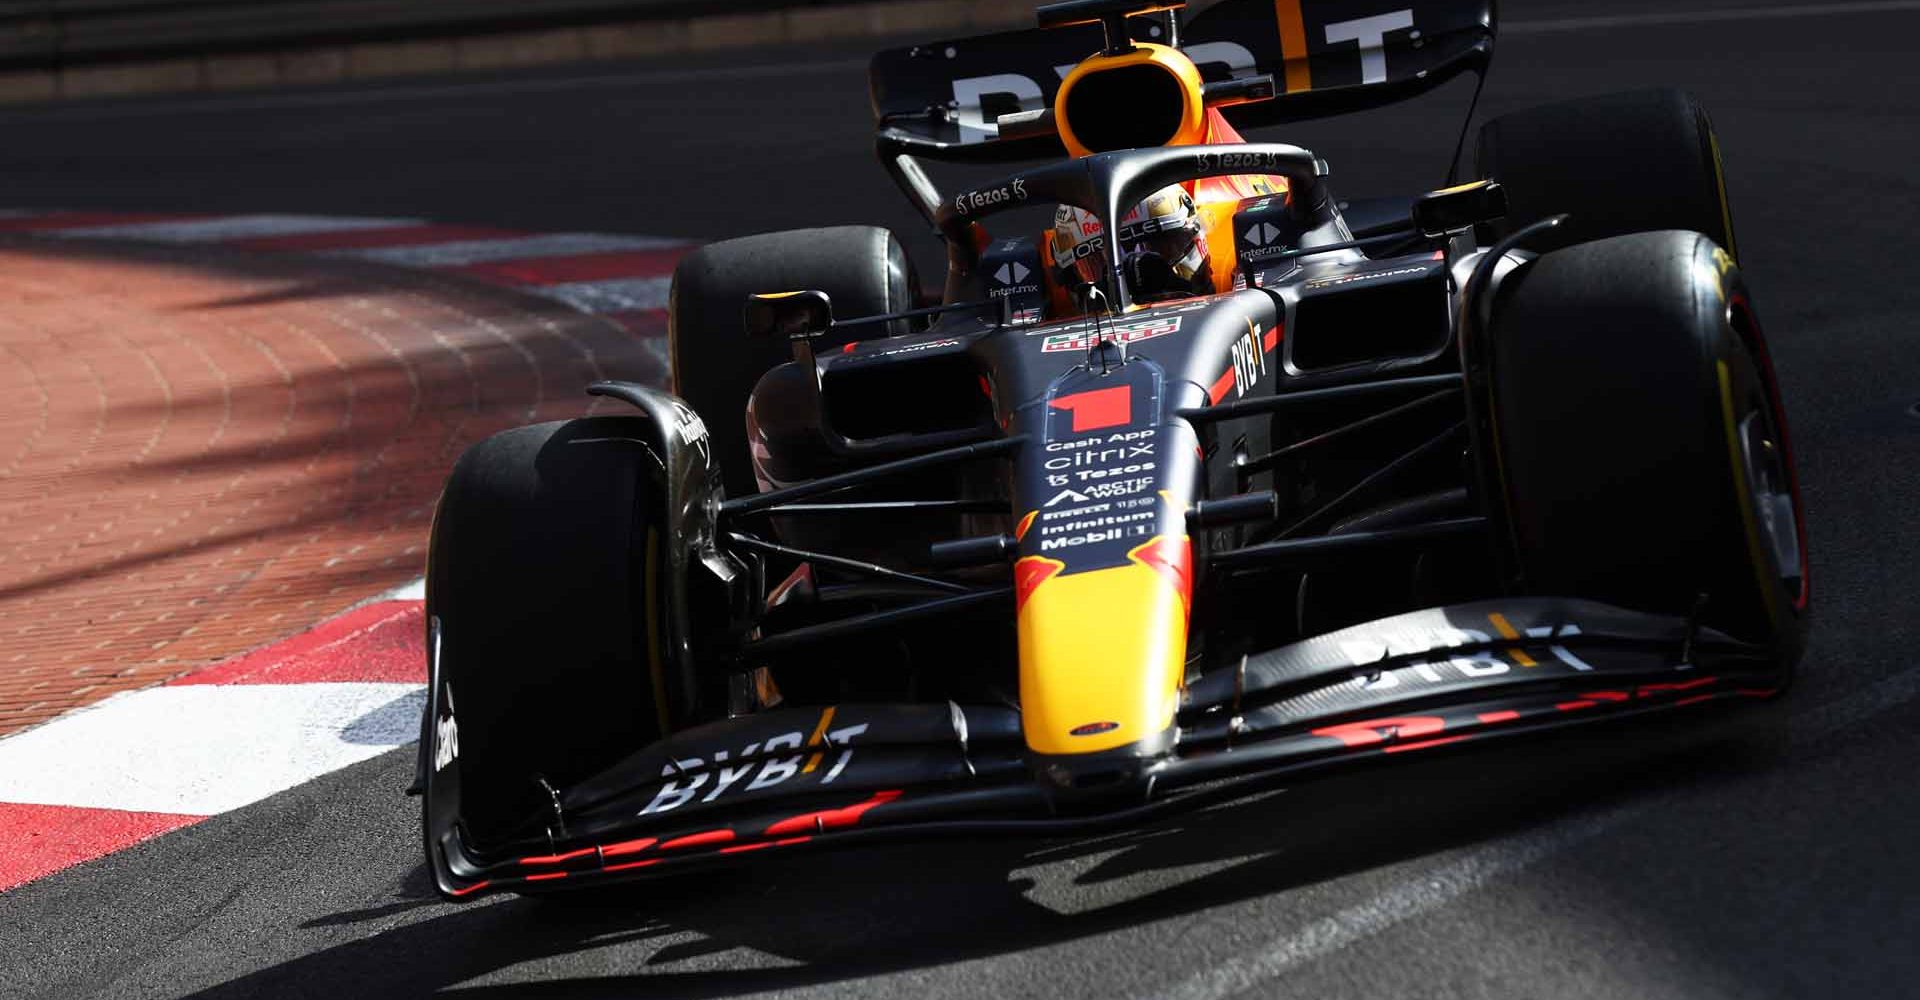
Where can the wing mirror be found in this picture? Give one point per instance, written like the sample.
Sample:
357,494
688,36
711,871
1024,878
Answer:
797,316
1240,90
1458,209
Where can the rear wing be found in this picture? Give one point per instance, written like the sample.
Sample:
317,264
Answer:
1326,57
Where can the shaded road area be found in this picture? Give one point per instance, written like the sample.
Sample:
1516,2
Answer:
1757,864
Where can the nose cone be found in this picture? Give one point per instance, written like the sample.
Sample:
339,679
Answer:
1102,651
1104,579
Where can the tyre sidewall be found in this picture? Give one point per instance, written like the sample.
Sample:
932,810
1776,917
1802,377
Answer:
538,576
1619,465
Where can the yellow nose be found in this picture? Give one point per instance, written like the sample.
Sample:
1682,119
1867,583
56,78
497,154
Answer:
1102,651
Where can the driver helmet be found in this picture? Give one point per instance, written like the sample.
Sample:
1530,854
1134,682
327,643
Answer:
1165,229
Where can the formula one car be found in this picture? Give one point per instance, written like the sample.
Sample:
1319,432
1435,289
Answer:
1196,482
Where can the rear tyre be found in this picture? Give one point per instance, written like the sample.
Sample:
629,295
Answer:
1641,439
1618,163
863,269
543,573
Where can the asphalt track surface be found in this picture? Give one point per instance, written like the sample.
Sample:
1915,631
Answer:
1757,863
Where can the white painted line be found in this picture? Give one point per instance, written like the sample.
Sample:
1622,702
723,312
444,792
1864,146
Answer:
1547,27
415,591
462,252
199,750
1431,889
619,295
228,227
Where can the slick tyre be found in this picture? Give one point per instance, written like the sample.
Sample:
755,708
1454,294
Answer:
1642,447
542,573
863,269
1617,163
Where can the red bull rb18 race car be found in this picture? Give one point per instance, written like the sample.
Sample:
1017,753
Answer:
1188,480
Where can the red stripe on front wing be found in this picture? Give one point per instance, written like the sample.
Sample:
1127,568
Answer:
828,819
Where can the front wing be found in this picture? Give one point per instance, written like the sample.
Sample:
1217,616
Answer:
814,777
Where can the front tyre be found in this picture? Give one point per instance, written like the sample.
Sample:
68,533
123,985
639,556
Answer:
1641,440
543,573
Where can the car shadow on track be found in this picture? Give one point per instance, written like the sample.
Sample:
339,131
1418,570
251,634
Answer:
813,920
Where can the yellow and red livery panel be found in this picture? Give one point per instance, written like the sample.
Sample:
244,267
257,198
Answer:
1103,581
